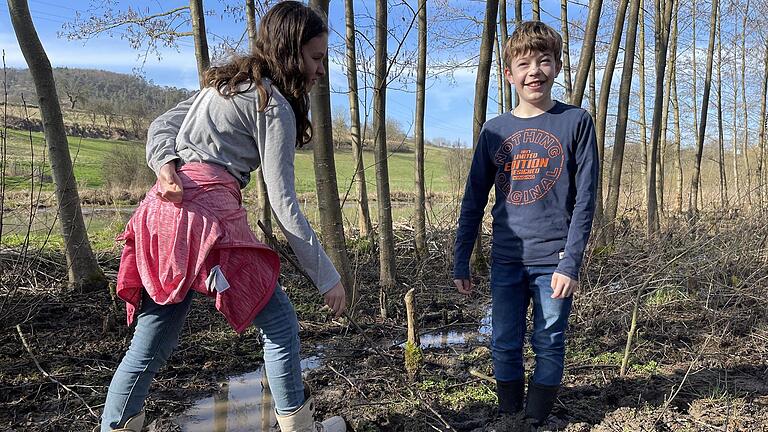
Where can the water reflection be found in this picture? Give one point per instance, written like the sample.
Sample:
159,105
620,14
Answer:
447,338
243,404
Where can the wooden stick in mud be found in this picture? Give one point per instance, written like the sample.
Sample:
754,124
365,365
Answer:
272,241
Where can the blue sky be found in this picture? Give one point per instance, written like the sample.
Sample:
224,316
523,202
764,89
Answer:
449,101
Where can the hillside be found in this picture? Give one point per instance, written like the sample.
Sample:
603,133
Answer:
98,90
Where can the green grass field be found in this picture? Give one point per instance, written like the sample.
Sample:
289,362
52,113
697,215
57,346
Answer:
88,155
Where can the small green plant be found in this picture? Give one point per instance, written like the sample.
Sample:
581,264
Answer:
664,295
608,358
648,368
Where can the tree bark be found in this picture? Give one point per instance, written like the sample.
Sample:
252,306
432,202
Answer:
264,211
197,15
662,24
602,106
363,210
693,206
83,270
625,89
331,221
587,51
566,49
481,104
536,10
421,73
387,271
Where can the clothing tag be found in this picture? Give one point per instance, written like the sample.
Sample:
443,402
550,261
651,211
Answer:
561,255
216,280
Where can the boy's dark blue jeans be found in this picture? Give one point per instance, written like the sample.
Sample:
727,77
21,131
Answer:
513,286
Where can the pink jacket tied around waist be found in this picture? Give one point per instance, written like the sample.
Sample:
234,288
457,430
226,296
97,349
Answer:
171,248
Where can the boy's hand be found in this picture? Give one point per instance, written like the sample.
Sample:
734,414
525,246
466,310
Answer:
170,184
563,286
336,299
464,286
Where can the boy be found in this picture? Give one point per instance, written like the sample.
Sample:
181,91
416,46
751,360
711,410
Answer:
542,160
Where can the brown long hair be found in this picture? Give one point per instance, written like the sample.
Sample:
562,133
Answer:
284,29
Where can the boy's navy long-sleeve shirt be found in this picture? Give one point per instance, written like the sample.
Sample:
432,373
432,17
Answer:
544,170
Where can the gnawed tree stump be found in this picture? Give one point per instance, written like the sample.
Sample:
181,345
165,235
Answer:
414,358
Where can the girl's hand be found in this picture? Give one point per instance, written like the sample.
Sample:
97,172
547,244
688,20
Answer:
336,299
170,184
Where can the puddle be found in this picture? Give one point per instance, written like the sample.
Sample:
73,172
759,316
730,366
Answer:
447,338
243,404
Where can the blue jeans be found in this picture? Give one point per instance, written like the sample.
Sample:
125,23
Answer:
513,286
157,334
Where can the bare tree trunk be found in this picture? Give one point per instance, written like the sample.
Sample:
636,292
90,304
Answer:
363,211
678,140
197,14
587,51
643,122
625,89
694,80
331,221
661,162
387,272
744,103
264,211
421,72
592,89
693,206
720,140
566,49
504,37
536,10
82,268
662,24
735,163
481,103
761,139
602,106
499,76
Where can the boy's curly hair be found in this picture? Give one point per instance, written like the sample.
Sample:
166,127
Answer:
532,36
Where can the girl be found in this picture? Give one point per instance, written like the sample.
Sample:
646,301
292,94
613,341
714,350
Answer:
190,233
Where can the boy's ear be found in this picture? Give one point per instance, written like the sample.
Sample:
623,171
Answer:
508,76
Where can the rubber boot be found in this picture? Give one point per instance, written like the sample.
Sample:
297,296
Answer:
303,419
539,403
510,396
134,424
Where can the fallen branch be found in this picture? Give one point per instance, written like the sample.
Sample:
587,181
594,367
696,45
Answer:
47,375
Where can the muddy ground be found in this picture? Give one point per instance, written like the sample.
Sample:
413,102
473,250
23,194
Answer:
699,361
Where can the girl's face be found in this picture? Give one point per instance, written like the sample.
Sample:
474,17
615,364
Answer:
313,53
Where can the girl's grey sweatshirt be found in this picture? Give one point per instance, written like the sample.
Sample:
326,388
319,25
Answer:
231,132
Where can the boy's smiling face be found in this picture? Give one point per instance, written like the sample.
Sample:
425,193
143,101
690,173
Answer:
533,75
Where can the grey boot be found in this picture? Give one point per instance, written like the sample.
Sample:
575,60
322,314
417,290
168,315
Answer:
510,396
303,419
539,402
